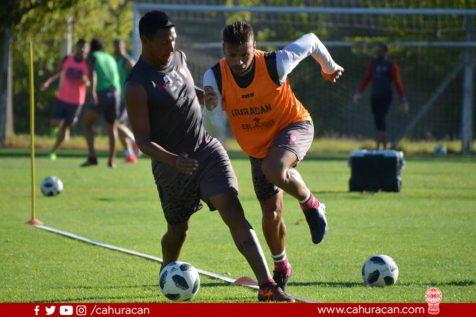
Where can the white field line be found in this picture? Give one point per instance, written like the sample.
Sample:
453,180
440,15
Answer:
227,279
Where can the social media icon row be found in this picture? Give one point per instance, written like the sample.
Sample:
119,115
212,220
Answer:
64,310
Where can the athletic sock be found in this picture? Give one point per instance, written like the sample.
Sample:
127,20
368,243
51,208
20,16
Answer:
279,257
281,262
310,203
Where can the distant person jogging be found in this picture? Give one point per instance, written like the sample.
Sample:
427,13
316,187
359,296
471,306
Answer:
74,78
382,72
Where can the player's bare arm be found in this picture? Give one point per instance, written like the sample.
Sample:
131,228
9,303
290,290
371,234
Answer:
92,86
136,103
211,98
52,79
86,81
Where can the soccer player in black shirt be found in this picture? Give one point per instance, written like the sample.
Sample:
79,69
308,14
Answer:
188,165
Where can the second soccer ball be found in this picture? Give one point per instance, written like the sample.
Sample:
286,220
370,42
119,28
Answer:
380,270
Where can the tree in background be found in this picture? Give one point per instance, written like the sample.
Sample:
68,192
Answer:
45,23
12,14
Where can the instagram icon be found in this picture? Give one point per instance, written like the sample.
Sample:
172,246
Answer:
81,310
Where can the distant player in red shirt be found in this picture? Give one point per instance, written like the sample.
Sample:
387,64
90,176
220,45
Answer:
74,78
382,72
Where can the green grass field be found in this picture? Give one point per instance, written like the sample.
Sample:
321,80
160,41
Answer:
429,229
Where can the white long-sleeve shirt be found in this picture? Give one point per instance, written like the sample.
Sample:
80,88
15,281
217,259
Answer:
288,58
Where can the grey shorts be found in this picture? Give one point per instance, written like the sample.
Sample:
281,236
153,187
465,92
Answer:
296,138
180,194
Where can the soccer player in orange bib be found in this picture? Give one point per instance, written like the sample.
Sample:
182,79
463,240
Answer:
271,125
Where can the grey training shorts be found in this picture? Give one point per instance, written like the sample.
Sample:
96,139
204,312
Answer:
180,194
296,138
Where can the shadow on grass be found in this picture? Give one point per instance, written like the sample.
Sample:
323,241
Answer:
107,199
106,298
327,284
97,299
462,283
151,286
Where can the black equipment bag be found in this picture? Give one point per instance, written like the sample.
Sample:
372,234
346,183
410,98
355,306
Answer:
376,170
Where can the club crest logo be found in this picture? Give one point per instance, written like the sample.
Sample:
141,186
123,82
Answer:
433,297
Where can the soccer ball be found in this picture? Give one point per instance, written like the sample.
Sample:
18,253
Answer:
179,281
51,186
440,149
380,270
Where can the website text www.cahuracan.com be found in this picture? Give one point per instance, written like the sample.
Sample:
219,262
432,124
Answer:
377,310
111,310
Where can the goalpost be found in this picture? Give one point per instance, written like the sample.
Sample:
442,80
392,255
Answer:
434,48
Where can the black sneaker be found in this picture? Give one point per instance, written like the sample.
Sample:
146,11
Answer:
316,219
281,277
273,293
91,161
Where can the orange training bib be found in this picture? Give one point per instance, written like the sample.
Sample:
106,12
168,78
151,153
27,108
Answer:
260,111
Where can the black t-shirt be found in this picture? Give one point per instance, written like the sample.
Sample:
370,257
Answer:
175,115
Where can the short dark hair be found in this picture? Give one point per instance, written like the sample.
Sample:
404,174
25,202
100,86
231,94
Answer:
96,45
153,21
238,32
80,42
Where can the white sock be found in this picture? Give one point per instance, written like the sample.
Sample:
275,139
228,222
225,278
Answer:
305,199
279,257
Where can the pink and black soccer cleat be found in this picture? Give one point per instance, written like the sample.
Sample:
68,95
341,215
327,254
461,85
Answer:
273,293
281,277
